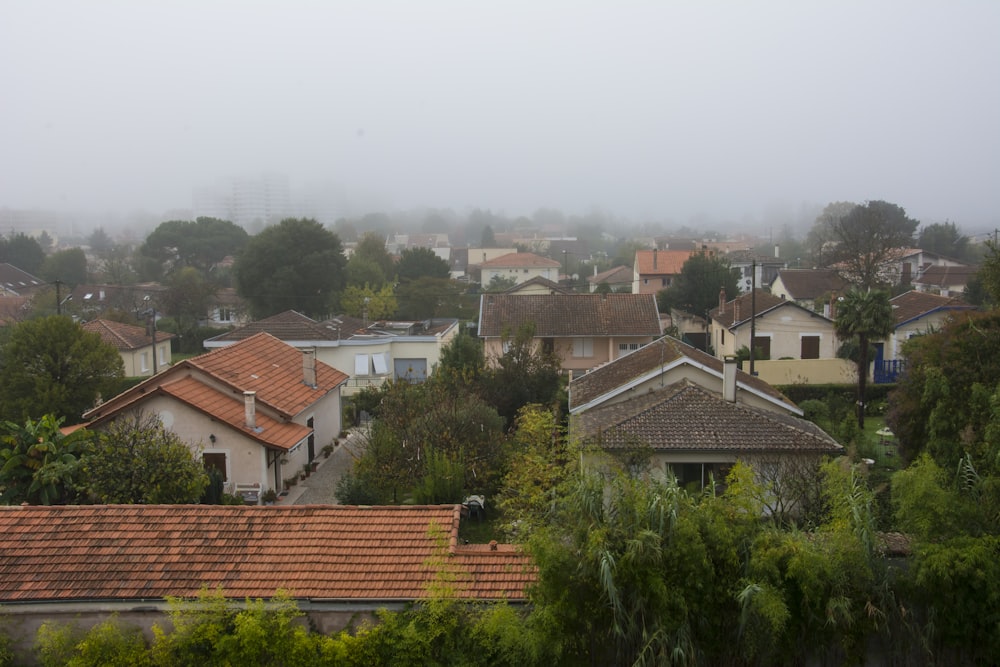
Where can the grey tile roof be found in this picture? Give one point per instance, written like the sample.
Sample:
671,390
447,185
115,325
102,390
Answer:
738,310
913,304
556,315
289,325
686,417
811,283
645,361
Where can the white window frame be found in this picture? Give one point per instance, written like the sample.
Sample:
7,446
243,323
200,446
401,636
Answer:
144,361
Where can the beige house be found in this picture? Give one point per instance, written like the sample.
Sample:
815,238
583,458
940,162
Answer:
784,329
258,410
583,330
809,287
695,414
519,267
135,345
369,353
917,313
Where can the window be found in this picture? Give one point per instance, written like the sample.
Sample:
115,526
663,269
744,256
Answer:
810,347
628,347
216,460
583,347
361,364
144,361
163,355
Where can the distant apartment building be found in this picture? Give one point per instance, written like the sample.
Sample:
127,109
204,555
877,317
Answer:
251,202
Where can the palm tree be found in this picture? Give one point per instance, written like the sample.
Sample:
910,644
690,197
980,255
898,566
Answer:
863,316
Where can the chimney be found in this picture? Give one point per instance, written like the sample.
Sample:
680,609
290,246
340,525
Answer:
729,379
250,408
722,300
736,309
833,306
309,367
654,258
777,251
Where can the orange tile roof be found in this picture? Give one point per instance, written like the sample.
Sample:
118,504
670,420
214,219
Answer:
272,368
521,260
124,337
329,552
661,262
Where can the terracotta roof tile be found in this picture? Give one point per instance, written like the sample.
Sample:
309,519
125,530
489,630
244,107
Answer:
661,262
328,552
520,260
124,337
913,304
570,314
805,284
646,362
687,417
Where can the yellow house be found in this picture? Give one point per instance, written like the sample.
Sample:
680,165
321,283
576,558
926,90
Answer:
135,345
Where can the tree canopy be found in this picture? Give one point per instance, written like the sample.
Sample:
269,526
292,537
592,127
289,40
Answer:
421,263
295,265
51,365
370,262
869,241
199,244
22,251
696,289
67,266
944,238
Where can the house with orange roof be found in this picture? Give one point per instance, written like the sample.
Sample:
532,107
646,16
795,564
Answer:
85,563
519,267
141,354
583,330
257,411
656,270
693,413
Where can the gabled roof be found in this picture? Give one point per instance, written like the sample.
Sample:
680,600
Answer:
289,325
124,337
552,286
570,314
946,276
329,552
913,305
661,262
521,260
737,312
803,284
620,275
684,417
261,363
649,362
19,282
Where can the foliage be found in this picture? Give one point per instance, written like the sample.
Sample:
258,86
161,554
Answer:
107,644
988,276
187,299
420,263
68,266
370,253
200,244
367,302
295,265
541,463
864,316
696,289
136,460
868,242
22,251
524,374
39,464
425,298
462,360
51,365
944,238
943,404
820,240
499,283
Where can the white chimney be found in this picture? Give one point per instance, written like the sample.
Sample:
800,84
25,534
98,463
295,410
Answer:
309,367
250,408
777,251
729,379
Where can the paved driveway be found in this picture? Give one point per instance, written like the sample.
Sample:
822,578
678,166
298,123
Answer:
319,488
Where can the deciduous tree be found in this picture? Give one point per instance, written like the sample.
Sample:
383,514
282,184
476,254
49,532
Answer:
295,265
199,244
420,263
869,242
696,289
51,365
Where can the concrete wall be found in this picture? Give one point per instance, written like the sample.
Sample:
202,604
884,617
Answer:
805,371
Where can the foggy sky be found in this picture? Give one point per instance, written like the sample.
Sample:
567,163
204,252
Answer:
648,110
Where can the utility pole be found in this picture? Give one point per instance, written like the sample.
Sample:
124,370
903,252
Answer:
151,313
753,314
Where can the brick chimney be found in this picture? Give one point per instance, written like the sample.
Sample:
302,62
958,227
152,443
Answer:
722,300
309,367
736,309
250,408
729,379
